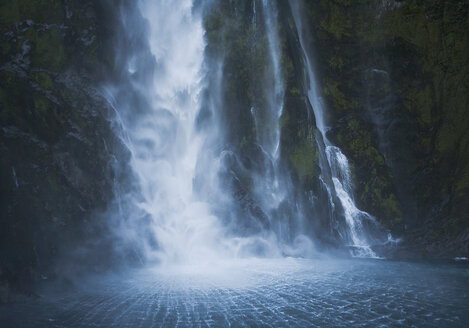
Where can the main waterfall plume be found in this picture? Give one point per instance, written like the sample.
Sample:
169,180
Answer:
164,141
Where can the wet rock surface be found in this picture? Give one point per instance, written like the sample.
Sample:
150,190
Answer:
58,150
394,76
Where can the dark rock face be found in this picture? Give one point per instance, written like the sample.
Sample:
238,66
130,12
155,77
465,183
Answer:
395,76
58,150
236,36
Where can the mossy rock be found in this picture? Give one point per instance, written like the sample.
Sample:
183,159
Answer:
39,11
305,160
48,49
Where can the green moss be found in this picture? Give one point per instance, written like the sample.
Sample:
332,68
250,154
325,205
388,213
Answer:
345,3
377,193
39,11
462,185
339,101
41,105
9,14
305,160
44,80
353,124
295,92
336,62
48,120
284,120
338,23
359,143
49,50
421,102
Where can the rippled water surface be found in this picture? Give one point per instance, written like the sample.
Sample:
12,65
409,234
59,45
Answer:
262,293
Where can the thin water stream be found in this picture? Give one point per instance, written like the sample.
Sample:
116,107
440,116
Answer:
336,169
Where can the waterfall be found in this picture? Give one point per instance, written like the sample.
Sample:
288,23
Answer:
164,141
196,199
276,92
273,188
268,189
336,168
184,211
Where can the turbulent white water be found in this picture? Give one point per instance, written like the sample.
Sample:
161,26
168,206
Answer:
165,143
337,163
176,163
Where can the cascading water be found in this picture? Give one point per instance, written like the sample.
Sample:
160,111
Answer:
268,190
276,92
273,185
336,167
176,162
165,144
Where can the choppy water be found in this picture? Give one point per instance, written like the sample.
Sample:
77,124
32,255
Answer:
262,293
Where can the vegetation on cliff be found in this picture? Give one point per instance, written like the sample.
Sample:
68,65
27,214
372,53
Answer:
395,75
56,142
